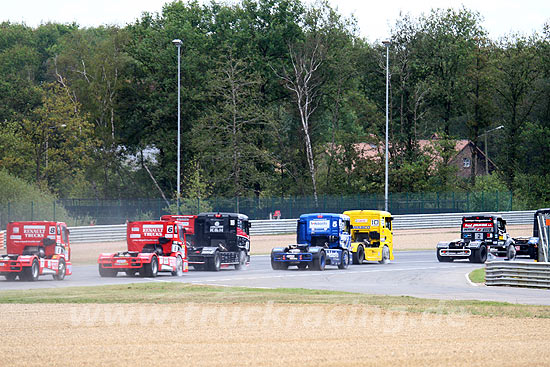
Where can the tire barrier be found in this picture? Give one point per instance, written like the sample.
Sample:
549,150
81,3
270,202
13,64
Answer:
517,274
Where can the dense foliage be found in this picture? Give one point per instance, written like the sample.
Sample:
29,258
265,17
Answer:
275,97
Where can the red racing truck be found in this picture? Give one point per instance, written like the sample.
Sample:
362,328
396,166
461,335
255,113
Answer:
36,248
187,222
153,247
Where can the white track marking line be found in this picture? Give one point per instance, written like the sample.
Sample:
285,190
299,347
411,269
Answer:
309,274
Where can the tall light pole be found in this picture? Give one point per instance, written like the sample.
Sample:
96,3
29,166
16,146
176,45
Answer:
387,45
178,43
486,150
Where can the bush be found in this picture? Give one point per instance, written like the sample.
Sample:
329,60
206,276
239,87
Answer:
20,200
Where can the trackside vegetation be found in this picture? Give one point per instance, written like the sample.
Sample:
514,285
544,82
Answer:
477,276
90,112
176,293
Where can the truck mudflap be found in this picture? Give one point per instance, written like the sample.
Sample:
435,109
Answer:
455,252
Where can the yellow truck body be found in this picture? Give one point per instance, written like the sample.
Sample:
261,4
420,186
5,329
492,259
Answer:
371,235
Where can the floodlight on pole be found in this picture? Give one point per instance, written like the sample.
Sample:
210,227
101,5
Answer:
387,45
178,43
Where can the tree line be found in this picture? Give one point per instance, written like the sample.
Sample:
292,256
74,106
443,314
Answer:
275,95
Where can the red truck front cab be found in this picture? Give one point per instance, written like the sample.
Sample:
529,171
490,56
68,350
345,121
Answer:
36,248
153,246
187,222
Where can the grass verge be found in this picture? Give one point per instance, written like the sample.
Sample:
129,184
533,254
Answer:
170,293
477,276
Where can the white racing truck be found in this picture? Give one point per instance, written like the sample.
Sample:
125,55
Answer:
481,235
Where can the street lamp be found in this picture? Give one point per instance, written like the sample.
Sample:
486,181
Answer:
178,43
387,45
486,150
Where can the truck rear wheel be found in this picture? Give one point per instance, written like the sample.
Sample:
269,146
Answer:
152,269
131,272
214,262
359,256
344,264
319,262
61,270
106,272
479,256
10,276
443,259
278,265
32,272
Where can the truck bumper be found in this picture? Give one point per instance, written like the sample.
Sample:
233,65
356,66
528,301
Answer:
292,257
455,252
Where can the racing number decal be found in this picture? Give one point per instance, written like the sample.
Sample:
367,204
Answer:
170,229
52,230
479,236
374,223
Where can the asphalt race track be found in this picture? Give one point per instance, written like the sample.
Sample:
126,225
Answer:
413,273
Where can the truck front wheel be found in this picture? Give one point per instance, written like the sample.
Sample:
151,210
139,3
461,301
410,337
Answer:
510,252
344,264
385,255
61,270
242,260
359,255
179,267
479,256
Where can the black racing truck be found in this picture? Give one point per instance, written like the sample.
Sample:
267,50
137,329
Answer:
530,246
480,235
221,240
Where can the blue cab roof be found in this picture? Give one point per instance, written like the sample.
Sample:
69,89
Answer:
323,215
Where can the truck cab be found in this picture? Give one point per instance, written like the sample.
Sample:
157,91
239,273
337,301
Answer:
36,248
322,239
220,240
186,223
153,247
371,235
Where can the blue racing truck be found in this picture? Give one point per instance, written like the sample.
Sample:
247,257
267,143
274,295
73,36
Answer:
322,239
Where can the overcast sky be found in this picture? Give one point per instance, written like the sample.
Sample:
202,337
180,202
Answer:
374,17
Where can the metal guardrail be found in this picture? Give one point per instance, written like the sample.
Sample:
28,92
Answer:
93,234
282,226
517,274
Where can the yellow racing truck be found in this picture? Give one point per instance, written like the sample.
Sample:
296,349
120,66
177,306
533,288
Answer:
371,236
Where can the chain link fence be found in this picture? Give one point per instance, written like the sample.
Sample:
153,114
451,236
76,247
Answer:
76,212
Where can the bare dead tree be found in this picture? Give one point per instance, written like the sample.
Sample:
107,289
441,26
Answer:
304,81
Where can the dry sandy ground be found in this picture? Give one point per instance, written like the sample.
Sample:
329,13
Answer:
411,239
263,335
